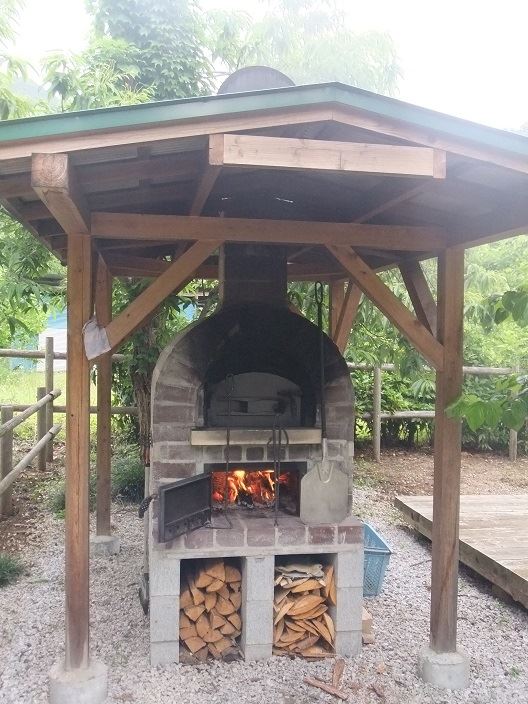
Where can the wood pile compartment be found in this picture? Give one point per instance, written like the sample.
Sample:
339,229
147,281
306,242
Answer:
303,607
210,601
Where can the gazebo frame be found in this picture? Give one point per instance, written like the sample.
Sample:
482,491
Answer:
352,183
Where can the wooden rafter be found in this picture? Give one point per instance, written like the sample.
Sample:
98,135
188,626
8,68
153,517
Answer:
205,186
54,183
336,296
176,227
391,203
108,338
323,155
347,315
420,294
391,306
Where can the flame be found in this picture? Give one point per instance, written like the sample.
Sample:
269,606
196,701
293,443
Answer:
254,487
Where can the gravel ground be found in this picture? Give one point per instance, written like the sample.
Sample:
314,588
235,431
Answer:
32,628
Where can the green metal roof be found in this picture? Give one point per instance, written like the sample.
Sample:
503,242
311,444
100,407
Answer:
64,124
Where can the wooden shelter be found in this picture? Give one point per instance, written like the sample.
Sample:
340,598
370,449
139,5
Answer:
350,182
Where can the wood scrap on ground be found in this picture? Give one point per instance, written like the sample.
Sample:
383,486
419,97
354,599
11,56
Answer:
302,625
210,602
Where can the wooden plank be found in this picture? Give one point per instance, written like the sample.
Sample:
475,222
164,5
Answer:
177,227
347,315
53,181
77,526
336,299
103,312
6,460
447,454
49,356
292,153
176,276
391,203
492,527
391,306
420,294
205,186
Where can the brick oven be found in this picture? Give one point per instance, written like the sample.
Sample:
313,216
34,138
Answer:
236,466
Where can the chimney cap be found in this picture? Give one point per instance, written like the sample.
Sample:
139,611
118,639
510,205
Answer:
254,78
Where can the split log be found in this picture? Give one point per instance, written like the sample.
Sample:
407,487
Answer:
330,689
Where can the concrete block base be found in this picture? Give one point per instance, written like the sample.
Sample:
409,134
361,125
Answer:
84,686
104,545
446,670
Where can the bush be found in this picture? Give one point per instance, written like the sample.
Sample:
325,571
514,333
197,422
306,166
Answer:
56,495
128,478
10,569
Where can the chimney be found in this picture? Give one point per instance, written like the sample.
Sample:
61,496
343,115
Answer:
252,273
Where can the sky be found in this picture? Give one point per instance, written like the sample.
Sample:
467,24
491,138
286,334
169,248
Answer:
463,57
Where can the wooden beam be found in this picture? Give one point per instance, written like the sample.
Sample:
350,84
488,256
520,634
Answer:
53,181
447,449
77,519
391,306
336,297
391,203
420,294
103,312
205,186
347,315
130,319
176,227
322,155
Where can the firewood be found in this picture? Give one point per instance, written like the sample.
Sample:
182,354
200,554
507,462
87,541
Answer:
203,579
227,629
329,624
278,630
317,653
224,607
294,626
235,620
224,591
311,614
186,599
333,593
328,579
197,594
305,604
305,585
337,673
210,600
236,599
188,632
284,609
307,625
202,625
215,568
184,621
223,644
314,682
212,636
215,586
194,644
307,642
202,654
217,621
290,636
214,651
323,630
280,594
232,574
194,612
235,586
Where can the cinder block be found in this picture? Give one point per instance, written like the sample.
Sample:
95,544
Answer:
349,568
257,578
164,653
257,623
348,643
164,618
253,653
164,575
349,609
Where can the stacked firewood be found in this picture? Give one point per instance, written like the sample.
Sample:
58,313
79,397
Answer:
210,603
302,624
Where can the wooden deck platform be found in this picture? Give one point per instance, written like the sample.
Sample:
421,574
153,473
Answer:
493,536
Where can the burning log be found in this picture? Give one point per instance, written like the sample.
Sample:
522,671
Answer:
302,624
210,603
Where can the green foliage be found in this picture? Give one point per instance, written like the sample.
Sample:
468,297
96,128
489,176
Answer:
10,569
128,475
56,495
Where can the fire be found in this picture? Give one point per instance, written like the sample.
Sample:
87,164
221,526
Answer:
246,488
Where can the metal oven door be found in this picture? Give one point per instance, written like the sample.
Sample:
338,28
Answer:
184,505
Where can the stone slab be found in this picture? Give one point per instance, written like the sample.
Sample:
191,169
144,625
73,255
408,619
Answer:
82,686
445,670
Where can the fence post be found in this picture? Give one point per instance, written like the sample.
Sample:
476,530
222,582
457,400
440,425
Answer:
41,427
376,414
512,445
48,376
6,460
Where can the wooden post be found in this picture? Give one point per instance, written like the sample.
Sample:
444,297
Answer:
336,297
48,377
76,581
447,455
103,310
41,428
376,414
6,460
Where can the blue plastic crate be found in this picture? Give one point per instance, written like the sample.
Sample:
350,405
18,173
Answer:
377,556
